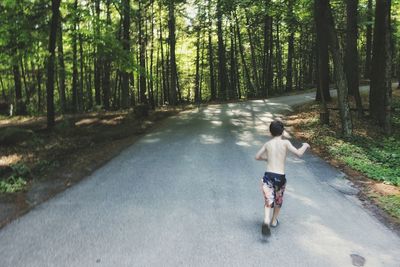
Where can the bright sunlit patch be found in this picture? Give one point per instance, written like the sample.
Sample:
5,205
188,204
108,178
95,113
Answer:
9,160
217,123
151,140
86,121
113,121
208,139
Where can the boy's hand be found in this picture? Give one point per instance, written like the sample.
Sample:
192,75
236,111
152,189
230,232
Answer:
306,145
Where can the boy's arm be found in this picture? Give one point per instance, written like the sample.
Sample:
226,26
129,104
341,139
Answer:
261,155
298,152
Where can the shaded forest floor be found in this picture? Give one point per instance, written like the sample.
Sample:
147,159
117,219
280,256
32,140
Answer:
36,164
370,159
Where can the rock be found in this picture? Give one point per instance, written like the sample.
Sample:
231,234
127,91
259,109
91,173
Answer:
13,135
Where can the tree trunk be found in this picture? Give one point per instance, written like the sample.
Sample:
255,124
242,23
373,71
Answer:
98,64
367,70
172,43
253,58
197,99
81,104
164,84
279,58
250,87
142,57
61,68
55,7
351,56
211,55
380,92
107,65
75,59
340,77
222,71
126,46
323,52
151,89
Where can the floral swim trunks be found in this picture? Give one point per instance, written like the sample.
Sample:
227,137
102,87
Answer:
273,187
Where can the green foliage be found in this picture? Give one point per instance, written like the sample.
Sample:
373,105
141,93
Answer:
12,184
391,204
378,159
17,180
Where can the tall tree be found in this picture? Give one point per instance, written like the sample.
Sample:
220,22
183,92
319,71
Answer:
142,55
381,87
289,68
125,76
340,77
368,40
222,71
172,60
351,54
61,68
55,8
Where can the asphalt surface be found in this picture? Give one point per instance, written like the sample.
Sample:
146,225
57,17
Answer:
188,194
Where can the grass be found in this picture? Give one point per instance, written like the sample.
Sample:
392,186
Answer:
391,204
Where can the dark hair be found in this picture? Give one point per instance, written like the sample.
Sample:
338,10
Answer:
276,128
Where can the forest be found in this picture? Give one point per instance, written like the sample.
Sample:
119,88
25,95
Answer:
75,56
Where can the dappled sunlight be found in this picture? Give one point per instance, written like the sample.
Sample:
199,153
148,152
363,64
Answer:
10,159
151,140
110,121
216,123
245,138
301,198
295,160
209,139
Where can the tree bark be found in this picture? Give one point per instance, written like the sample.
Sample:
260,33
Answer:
125,76
107,64
323,52
172,43
75,59
250,86
380,89
61,68
340,77
222,71
253,58
142,57
368,45
351,55
55,7
197,99
98,64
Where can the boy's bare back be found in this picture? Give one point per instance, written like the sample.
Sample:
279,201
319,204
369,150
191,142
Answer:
275,151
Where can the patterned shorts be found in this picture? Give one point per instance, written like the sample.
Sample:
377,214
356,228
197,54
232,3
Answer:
273,187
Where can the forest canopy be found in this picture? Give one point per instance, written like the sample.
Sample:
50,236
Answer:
115,54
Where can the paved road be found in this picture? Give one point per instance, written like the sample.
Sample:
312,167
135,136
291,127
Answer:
188,195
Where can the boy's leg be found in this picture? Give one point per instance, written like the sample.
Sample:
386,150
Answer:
274,221
267,214
278,204
268,198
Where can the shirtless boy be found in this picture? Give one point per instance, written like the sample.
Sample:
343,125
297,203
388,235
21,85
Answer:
274,181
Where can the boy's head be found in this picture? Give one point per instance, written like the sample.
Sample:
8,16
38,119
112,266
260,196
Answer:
276,128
